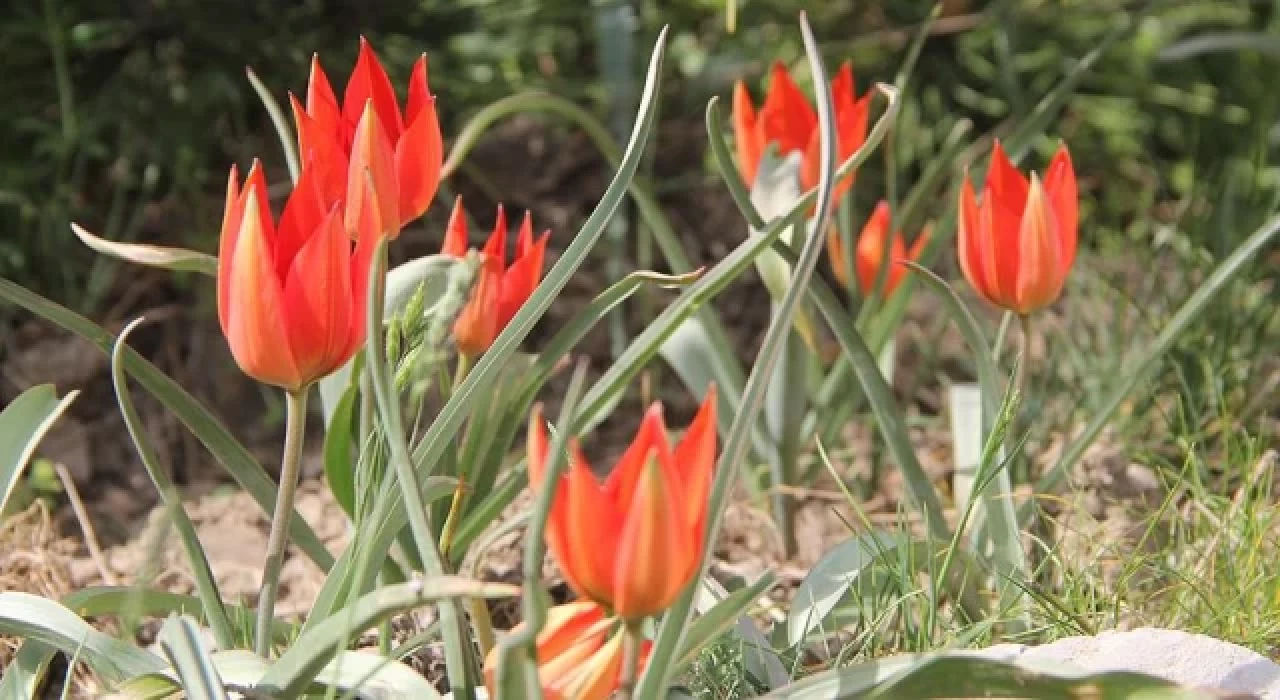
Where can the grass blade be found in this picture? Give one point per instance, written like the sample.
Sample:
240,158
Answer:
278,120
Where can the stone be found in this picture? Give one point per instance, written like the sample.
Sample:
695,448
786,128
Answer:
1194,660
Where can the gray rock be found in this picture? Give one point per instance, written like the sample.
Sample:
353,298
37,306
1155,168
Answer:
1189,659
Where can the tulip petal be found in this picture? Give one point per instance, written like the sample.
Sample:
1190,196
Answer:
303,214
1003,202
321,149
1064,199
231,216
787,118
368,234
557,524
746,135
322,106
871,249
970,241
654,547
520,280
371,153
455,232
590,533
477,324
524,239
496,245
650,437
599,677
835,255
256,319
420,150
369,83
695,459
1039,279
318,296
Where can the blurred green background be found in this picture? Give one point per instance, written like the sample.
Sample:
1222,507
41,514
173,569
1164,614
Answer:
125,114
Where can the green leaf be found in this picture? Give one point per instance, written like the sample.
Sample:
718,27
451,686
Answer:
960,674
23,675
298,667
96,601
176,259
180,640
369,675
212,434
850,564
339,462
48,622
720,614
206,585
23,423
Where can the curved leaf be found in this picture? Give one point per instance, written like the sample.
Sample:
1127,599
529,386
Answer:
176,259
843,567
961,674
23,423
312,651
180,639
48,622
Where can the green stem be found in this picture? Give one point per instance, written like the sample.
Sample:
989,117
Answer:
290,466
1020,388
632,643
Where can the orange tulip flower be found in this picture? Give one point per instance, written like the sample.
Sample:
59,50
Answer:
291,296
787,119
633,542
499,291
869,252
577,659
1017,247
369,137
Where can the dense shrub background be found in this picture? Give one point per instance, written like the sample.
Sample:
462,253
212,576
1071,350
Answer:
125,114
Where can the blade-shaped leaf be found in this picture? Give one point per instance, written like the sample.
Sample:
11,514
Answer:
48,622
22,676
180,640
718,612
339,455
312,651
841,569
23,423
176,259
960,674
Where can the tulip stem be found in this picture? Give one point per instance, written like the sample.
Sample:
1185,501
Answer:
1020,387
290,466
632,642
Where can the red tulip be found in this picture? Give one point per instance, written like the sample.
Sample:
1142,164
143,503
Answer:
368,137
499,291
291,296
577,659
633,542
787,119
1017,247
869,252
